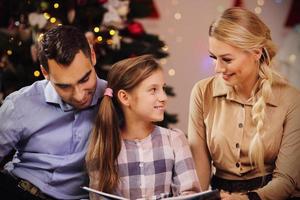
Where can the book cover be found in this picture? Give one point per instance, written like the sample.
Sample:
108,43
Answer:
207,195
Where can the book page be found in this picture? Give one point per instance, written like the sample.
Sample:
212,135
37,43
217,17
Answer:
207,195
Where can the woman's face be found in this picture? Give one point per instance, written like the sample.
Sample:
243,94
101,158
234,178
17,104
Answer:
237,67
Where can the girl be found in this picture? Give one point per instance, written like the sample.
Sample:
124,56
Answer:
128,155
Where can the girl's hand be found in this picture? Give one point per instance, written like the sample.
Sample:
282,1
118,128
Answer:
233,196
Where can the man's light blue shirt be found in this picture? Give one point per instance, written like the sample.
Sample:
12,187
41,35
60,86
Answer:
50,136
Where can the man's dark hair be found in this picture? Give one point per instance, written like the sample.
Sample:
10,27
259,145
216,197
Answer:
62,43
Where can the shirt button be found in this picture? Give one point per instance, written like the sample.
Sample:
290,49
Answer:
237,145
240,125
237,164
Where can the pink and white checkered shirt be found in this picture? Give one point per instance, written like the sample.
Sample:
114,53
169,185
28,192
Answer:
157,166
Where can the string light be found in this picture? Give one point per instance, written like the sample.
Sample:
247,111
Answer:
52,20
44,5
36,73
40,37
112,32
9,52
292,58
171,72
220,8
99,38
165,48
260,2
163,61
257,10
96,29
56,5
47,16
177,16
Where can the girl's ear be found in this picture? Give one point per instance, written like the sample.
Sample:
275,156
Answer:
123,97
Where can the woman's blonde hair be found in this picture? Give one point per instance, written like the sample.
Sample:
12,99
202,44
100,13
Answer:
105,142
243,29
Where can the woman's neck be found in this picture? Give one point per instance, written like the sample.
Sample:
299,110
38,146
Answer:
245,91
136,130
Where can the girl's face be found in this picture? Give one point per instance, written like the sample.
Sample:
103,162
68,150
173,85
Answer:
237,67
147,101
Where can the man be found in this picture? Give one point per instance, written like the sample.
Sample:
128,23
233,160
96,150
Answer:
49,122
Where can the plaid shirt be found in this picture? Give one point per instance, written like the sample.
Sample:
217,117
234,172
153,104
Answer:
157,166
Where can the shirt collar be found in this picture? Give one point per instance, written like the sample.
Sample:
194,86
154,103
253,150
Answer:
52,96
221,89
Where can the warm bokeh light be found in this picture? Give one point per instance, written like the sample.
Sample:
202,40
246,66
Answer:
163,61
112,32
56,5
177,16
52,20
260,2
171,72
9,52
257,10
99,38
47,15
165,48
96,29
36,73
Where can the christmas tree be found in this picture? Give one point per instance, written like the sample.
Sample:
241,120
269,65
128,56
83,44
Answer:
110,26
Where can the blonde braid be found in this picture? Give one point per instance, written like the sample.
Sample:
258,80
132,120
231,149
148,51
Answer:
256,148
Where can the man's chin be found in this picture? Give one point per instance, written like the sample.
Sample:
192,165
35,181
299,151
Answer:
82,106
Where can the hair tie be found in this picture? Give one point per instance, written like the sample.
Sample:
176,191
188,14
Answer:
108,92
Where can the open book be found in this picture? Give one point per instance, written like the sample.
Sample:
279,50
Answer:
207,195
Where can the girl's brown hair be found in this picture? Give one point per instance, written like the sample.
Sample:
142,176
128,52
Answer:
105,142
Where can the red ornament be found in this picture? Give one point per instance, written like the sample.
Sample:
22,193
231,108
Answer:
81,2
136,28
238,3
293,16
102,1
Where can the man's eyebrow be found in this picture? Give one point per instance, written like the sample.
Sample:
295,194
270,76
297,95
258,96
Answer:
79,81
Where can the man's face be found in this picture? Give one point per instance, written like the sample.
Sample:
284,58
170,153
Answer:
76,83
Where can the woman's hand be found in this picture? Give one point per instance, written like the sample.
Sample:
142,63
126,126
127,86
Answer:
233,196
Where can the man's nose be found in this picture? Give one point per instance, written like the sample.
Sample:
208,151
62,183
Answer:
79,93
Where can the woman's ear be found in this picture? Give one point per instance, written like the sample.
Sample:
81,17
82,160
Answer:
123,97
257,54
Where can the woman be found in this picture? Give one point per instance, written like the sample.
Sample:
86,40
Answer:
245,120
